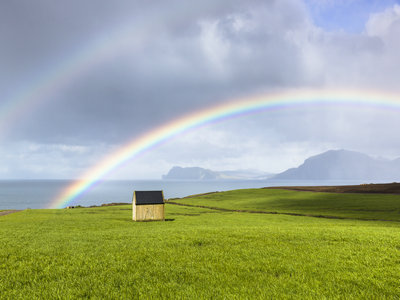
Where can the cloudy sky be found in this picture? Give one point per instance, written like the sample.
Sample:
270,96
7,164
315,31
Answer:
80,79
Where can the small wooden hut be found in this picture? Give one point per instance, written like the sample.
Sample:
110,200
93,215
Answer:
148,206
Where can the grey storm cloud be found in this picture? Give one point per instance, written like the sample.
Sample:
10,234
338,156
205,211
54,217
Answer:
177,57
185,64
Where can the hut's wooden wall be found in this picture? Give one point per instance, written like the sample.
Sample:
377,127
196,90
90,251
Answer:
148,212
133,209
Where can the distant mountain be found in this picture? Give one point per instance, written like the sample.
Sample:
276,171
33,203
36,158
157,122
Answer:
193,173
197,173
344,165
245,174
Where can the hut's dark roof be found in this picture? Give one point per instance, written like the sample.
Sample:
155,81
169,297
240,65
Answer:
149,197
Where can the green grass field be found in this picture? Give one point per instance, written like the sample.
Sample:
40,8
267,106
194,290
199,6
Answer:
357,206
204,253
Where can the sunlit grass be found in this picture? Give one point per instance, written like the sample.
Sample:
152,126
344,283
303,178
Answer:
358,206
197,253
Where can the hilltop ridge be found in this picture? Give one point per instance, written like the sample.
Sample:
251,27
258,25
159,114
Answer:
197,173
344,165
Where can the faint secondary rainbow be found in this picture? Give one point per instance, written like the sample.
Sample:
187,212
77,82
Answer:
217,113
126,37
60,74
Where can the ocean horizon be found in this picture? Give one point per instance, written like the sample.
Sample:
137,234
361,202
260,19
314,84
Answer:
38,194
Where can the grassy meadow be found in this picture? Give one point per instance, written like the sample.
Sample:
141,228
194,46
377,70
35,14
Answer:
352,206
205,253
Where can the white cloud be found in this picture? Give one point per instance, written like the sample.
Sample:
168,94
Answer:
384,24
183,57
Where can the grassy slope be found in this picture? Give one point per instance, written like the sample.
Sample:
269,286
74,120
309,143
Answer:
100,253
363,206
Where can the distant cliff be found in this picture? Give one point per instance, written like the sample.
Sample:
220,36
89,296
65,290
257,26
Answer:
197,173
344,165
193,173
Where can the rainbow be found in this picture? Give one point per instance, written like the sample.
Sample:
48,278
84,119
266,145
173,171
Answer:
105,46
59,74
270,101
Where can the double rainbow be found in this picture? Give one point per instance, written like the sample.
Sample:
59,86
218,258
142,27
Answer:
220,112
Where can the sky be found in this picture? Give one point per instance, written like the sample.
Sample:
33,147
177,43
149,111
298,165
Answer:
81,79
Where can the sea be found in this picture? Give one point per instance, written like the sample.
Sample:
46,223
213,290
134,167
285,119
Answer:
37,194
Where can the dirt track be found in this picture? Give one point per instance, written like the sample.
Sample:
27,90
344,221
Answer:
278,213
384,188
7,212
